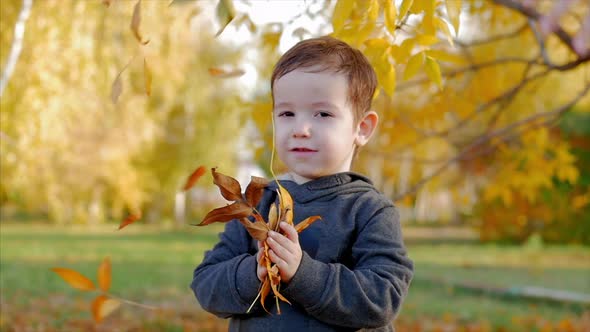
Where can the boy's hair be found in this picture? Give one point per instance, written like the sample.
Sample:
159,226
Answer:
333,55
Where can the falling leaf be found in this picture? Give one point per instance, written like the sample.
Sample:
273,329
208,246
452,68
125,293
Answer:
116,89
74,279
129,220
147,74
194,177
254,190
135,21
221,73
225,14
230,188
224,214
107,2
102,306
258,229
306,223
104,274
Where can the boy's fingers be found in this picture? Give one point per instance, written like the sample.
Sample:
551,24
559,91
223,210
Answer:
290,232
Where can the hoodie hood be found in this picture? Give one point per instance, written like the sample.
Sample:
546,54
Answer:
325,187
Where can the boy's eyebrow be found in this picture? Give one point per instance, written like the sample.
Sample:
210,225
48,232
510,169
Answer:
324,104
283,104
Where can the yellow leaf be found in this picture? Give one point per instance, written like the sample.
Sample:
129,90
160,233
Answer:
403,52
147,74
404,8
225,14
373,12
342,12
441,55
428,23
74,279
454,12
433,71
388,80
390,16
414,64
104,274
444,27
102,306
426,40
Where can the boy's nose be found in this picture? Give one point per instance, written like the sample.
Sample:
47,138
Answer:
302,129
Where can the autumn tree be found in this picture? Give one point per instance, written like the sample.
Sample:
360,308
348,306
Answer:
81,139
471,92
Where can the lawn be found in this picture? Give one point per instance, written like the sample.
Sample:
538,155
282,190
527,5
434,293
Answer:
153,266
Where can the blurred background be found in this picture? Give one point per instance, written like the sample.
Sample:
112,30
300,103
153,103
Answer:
107,106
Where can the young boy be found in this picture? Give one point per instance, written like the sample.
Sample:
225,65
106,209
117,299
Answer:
348,271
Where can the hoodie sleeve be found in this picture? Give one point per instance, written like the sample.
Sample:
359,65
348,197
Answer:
225,283
365,294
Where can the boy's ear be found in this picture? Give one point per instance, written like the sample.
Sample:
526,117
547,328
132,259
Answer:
366,128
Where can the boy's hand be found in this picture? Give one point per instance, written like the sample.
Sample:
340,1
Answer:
285,251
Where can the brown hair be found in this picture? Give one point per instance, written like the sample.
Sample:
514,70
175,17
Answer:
337,56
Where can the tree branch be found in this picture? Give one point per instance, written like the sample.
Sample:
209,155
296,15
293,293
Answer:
17,44
500,133
535,15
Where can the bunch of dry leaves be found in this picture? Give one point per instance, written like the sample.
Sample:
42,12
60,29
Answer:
243,208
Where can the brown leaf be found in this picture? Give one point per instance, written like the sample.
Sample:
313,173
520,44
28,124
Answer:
104,274
103,306
147,74
116,89
264,291
74,279
286,205
306,223
106,2
135,21
130,220
192,179
221,73
236,210
230,188
273,217
258,229
255,190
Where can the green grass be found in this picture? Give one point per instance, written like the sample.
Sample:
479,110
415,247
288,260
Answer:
154,265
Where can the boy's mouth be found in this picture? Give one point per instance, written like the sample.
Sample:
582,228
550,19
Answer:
300,149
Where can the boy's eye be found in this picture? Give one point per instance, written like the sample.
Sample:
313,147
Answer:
286,113
324,114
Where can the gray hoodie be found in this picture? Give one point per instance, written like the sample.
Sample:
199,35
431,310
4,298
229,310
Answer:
353,275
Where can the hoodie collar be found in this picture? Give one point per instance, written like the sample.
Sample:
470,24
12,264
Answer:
340,183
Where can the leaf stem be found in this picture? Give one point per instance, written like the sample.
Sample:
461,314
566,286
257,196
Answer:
137,304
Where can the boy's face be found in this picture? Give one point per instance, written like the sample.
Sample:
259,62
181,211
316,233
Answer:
315,133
